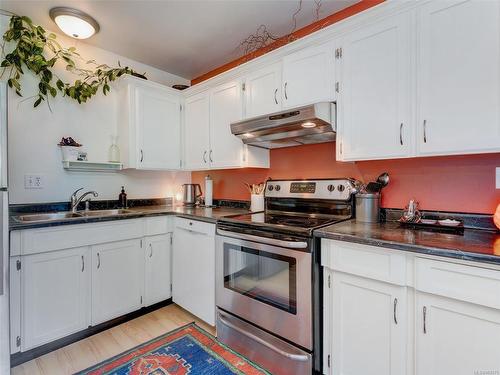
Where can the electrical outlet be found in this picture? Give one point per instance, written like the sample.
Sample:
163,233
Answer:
33,181
498,178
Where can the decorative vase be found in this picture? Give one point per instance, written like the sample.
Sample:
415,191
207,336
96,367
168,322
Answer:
70,153
114,150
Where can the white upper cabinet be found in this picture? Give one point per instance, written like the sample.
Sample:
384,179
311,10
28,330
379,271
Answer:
149,126
308,76
263,91
375,93
226,106
197,131
458,77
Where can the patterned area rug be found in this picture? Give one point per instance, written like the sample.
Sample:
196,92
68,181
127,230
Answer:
186,350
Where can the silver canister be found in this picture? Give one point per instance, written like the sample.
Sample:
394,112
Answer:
368,207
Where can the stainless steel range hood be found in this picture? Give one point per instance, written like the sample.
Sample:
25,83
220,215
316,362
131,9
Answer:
314,123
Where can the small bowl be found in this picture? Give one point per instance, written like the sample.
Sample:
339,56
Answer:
449,222
428,221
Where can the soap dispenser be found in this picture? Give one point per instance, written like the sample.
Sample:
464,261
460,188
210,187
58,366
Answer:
122,198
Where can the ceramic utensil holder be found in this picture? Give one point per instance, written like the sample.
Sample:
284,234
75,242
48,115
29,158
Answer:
256,202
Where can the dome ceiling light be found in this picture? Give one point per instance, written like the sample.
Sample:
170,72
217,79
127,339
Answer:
74,22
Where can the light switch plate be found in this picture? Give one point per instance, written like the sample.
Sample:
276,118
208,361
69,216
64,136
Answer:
34,181
498,178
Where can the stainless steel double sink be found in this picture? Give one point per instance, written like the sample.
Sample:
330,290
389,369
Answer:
61,216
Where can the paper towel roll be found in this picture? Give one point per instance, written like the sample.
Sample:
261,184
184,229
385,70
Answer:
208,191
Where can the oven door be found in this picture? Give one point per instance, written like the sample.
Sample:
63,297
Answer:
267,285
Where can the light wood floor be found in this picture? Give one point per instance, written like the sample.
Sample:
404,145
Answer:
94,349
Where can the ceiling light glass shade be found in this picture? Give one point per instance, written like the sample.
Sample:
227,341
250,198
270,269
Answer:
74,23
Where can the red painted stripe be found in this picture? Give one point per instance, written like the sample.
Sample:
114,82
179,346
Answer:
306,30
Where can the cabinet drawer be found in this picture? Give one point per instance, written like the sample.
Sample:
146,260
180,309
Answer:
195,226
158,225
466,283
363,260
34,241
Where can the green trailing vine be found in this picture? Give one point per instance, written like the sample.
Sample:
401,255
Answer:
38,52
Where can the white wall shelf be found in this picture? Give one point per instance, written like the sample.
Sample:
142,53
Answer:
89,166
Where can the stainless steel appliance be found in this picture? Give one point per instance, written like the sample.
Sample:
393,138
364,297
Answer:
268,280
313,123
4,238
191,194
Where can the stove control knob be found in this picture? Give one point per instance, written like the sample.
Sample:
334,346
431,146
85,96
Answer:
331,188
278,188
341,188
270,187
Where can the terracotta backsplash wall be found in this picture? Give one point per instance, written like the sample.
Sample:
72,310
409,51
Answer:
451,183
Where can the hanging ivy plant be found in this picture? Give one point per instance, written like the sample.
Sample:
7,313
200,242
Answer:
38,52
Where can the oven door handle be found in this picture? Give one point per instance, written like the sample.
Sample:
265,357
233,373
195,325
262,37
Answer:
269,241
294,357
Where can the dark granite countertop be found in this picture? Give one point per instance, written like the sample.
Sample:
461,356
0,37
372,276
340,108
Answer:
210,215
473,245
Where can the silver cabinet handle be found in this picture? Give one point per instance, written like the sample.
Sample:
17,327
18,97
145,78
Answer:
275,96
292,356
425,131
395,310
83,264
286,96
424,311
142,156
401,134
98,261
210,156
205,157
150,250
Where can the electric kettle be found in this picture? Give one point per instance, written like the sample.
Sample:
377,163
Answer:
191,194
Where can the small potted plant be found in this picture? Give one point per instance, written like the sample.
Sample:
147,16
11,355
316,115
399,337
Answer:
70,149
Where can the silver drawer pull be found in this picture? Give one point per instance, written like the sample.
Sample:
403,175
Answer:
294,357
83,263
424,311
395,310
270,241
98,261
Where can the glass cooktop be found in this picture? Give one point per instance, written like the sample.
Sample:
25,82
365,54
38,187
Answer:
310,221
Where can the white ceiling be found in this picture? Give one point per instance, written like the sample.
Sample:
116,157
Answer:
187,38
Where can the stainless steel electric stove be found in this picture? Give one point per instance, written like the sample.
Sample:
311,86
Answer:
268,279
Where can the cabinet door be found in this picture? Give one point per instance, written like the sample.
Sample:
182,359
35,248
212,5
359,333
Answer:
263,91
196,131
117,279
55,289
375,95
308,76
455,337
193,272
458,77
158,279
226,106
158,126
369,325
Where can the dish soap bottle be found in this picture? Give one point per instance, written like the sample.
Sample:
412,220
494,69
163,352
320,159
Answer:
122,198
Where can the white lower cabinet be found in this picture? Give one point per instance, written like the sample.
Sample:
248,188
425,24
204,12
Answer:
158,277
117,279
55,295
368,326
456,337
435,316
193,265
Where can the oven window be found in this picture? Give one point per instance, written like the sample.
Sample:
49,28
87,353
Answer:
260,275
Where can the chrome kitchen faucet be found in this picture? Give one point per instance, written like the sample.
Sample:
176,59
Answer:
76,201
